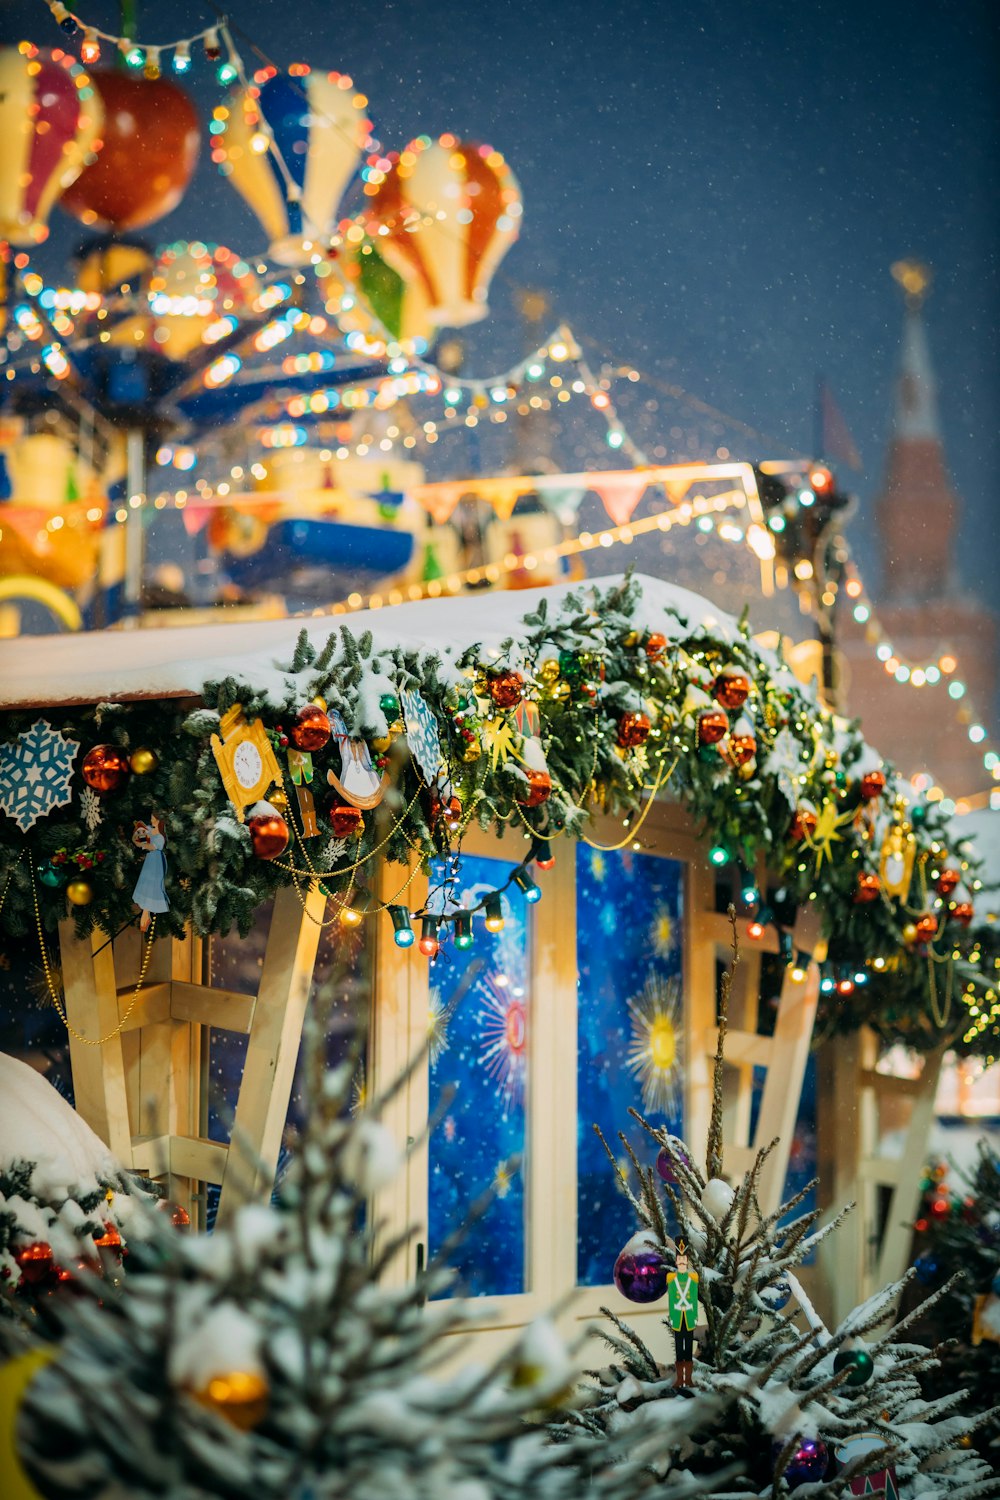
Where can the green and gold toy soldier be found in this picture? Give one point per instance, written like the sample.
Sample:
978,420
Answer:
682,1314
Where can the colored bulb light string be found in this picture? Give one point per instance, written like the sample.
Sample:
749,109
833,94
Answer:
70,22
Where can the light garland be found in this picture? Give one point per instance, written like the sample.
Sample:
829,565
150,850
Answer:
145,56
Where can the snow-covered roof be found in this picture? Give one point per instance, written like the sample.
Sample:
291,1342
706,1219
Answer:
111,665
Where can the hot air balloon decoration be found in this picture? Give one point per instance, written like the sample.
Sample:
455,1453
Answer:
377,301
151,138
198,293
444,213
50,124
291,144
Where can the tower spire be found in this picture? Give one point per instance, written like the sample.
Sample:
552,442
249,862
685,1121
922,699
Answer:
917,509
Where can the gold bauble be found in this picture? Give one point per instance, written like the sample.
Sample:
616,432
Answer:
747,771
381,743
548,672
319,701
561,691
472,751
80,892
143,761
910,932
239,1396
279,799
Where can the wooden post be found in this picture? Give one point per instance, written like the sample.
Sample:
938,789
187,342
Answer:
99,1088
273,1048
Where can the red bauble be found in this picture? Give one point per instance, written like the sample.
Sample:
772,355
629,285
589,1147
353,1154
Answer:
962,912
34,1262
940,1208
633,730
105,768
947,881
268,831
538,790
656,644
872,785
869,888
110,1242
178,1216
742,744
311,729
803,825
713,725
151,138
449,812
926,927
346,820
731,688
506,688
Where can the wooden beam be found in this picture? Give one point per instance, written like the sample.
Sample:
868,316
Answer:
203,1005
894,1252
715,925
273,1048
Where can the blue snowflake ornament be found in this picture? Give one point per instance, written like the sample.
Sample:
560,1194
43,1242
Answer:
422,735
35,774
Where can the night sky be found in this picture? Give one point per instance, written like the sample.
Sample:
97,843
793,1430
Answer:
713,192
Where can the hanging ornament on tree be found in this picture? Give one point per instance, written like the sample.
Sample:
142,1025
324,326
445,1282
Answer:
80,892
731,688
947,880
90,809
633,730
311,729
300,769
807,1464
776,1295
899,849
268,830
358,782
962,912
742,742
49,875
926,927
804,821
713,725
854,1358
150,893
537,791
143,761
35,774
245,759
717,1198
505,688
868,889
640,1272
346,820
667,1160
656,644
105,768
872,785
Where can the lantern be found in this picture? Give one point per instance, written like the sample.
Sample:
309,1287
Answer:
151,140
444,215
291,148
50,121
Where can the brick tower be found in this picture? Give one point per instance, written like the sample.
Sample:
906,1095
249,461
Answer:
923,611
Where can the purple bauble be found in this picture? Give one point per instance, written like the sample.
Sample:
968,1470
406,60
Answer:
666,1160
641,1271
807,1464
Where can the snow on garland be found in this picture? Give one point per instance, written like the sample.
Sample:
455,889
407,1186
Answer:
588,705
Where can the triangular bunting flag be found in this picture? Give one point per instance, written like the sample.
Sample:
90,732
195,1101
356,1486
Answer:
563,501
620,493
440,499
503,494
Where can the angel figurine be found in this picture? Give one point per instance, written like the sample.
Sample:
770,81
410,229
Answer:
150,892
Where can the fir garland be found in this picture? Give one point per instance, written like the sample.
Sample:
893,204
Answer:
794,800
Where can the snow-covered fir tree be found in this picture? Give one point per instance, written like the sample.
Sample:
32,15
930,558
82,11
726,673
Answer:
792,1392
274,1360
959,1248
64,1200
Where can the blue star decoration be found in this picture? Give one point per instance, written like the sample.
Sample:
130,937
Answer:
35,774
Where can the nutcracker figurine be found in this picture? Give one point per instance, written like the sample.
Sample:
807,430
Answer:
682,1313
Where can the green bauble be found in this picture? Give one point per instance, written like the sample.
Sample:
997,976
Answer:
571,666
389,704
50,875
858,1362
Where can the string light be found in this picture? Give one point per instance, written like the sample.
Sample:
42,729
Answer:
139,55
